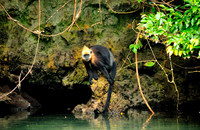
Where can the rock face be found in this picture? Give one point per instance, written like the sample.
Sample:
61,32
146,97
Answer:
60,55
59,66
16,102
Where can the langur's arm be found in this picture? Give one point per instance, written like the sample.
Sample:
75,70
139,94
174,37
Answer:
87,66
94,72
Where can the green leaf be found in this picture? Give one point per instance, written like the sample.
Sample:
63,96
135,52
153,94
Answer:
193,21
144,20
149,64
139,1
180,53
177,6
198,22
136,46
163,6
159,32
178,14
166,27
177,30
171,10
158,16
194,8
139,44
169,49
199,54
153,9
134,50
176,52
197,47
169,41
160,22
187,5
180,26
131,46
169,20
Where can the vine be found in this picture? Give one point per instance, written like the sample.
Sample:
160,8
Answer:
34,60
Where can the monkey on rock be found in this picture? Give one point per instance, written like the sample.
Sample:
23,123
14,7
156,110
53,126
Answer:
100,58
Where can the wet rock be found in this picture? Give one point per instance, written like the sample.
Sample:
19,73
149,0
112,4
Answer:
16,102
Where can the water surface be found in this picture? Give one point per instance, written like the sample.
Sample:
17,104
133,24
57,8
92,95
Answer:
135,121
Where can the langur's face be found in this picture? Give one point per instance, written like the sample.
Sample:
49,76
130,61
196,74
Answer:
86,54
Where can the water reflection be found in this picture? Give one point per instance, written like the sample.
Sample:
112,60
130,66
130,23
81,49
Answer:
146,123
6,120
134,120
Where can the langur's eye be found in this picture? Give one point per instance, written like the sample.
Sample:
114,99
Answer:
90,52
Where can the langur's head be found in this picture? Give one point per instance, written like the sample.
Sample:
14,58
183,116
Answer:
87,53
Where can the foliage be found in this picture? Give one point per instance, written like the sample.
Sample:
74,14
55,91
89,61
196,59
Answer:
139,1
178,28
135,47
149,64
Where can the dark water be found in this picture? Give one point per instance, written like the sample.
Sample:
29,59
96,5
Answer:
135,121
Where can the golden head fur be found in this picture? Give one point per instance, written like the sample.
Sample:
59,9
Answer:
87,53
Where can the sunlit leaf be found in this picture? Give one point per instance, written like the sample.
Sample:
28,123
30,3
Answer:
160,32
169,48
180,53
131,46
166,27
149,64
180,25
170,10
193,21
179,31
158,16
194,8
175,52
163,6
136,46
195,41
191,46
170,53
139,1
199,54
134,50
198,22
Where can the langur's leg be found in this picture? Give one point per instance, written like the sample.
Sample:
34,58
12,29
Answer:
105,73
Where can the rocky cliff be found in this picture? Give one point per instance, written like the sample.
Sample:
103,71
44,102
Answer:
59,76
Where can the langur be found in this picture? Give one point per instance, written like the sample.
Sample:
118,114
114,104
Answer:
100,58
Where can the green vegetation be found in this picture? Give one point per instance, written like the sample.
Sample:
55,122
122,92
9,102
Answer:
178,28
